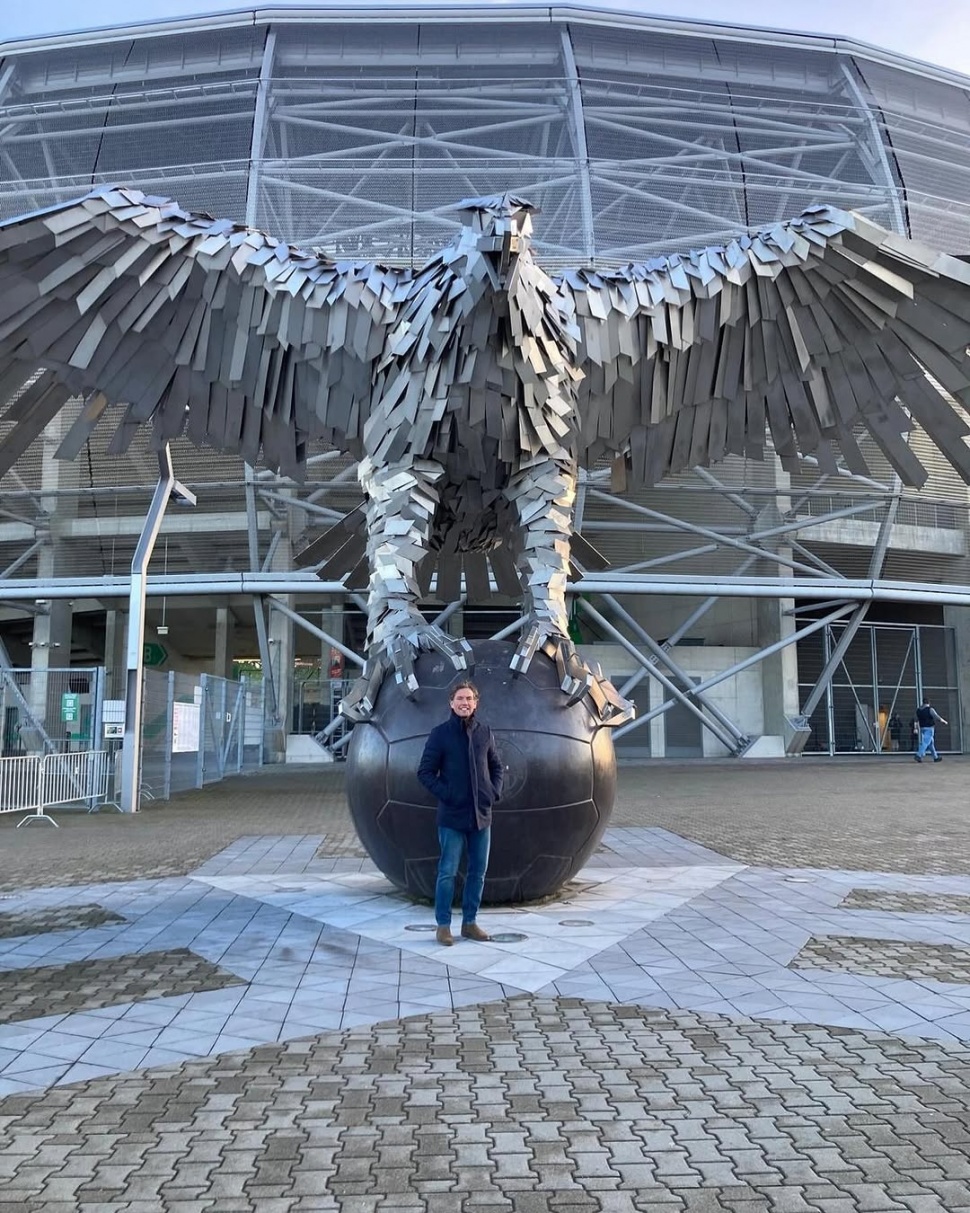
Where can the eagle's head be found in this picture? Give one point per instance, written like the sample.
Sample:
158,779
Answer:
502,224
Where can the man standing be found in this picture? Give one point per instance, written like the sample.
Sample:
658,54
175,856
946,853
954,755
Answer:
460,766
927,717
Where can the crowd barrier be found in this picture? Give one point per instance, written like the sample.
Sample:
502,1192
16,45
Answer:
37,782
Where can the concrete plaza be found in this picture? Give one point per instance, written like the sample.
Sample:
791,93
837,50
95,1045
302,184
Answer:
756,996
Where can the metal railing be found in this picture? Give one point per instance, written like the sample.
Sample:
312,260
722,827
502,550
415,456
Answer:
38,782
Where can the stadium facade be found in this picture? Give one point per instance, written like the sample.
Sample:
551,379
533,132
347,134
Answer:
738,600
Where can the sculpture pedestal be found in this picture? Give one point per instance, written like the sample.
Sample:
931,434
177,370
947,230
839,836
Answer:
560,778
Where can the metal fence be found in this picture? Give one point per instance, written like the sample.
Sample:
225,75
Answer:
870,704
50,711
197,729
34,783
314,712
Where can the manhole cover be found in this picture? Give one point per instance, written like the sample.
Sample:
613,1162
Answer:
420,926
508,937
576,922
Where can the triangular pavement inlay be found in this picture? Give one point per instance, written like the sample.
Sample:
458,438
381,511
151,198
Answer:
609,905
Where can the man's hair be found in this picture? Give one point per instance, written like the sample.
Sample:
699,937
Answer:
464,684
926,703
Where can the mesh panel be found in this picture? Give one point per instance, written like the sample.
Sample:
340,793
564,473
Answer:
224,705
48,711
375,129
926,126
187,730
156,736
887,671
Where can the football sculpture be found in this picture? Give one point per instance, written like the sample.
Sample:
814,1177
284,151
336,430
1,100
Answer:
560,777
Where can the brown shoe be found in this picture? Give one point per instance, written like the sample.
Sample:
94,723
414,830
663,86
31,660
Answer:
444,935
471,930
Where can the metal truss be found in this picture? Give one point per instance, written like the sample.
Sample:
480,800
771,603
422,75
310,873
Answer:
359,153
783,552
357,156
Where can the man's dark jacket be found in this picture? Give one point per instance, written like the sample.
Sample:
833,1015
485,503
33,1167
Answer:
460,766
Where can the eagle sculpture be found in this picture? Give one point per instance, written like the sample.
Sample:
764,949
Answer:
471,390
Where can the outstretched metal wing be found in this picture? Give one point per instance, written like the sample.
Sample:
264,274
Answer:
195,324
812,330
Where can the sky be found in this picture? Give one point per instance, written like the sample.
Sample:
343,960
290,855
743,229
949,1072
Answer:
937,31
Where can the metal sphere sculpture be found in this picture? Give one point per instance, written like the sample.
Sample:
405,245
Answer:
560,777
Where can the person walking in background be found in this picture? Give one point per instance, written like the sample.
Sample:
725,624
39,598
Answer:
461,767
927,718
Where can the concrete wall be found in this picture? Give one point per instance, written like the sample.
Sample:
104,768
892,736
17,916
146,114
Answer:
740,697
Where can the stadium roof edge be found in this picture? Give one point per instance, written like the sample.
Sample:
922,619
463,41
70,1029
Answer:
518,10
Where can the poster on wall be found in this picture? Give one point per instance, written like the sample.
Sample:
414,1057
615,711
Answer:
185,727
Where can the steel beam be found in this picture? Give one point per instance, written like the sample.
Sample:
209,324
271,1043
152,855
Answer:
848,635
693,528
723,737
168,486
878,147
259,128
209,585
687,692
271,700
579,143
312,628
754,659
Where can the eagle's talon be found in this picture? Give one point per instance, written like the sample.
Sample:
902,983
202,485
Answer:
357,705
578,681
458,652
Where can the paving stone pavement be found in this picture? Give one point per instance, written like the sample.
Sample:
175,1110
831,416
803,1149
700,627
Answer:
905,903
885,957
534,1105
63,918
646,1045
87,985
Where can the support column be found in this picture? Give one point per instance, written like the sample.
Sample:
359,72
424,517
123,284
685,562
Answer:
958,618
281,656
50,649
779,672
281,653
131,748
657,726
115,631
50,645
225,635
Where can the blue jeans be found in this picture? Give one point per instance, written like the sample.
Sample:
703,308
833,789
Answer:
927,742
452,843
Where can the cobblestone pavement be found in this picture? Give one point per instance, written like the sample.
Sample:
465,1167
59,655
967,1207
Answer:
645,1044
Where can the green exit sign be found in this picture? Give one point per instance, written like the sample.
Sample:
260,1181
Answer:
154,654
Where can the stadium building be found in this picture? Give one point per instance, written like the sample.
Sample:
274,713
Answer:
738,602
